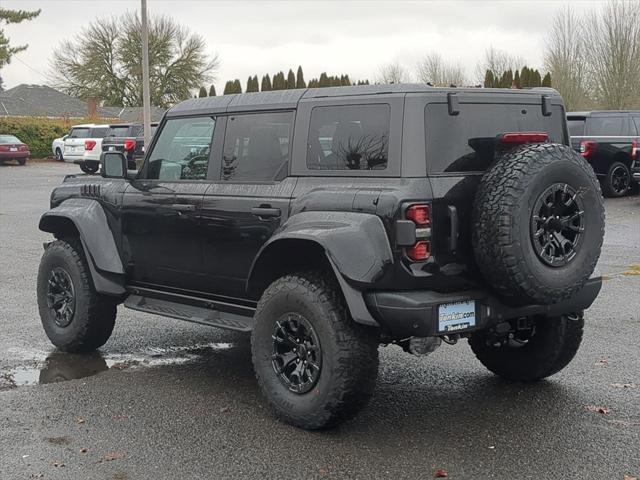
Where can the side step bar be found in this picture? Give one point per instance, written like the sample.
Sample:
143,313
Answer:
190,313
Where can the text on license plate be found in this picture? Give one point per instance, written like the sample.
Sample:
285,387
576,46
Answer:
13,149
456,316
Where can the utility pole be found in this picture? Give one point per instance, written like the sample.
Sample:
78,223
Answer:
146,98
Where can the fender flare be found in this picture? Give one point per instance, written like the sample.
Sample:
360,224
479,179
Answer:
89,219
356,246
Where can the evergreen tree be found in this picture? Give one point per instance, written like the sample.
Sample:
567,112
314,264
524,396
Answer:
300,83
546,81
266,83
229,88
202,92
313,83
252,84
536,80
516,79
291,80
212,91
525,77
279,81
489,80
324,80
237,86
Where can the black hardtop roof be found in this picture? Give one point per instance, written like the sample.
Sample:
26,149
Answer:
288,99
598,113
129,124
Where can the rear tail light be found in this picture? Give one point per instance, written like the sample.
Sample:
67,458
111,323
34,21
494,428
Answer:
4,148
420,251
588,148
420,215
89,144
523,137
129,144
634,149
22,148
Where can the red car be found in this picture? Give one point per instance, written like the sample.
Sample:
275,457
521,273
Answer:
11,148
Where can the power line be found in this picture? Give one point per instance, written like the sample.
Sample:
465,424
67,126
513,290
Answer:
31,68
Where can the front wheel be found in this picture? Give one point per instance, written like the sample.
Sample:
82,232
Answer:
532,354
315,366
75,317
59,156
618,180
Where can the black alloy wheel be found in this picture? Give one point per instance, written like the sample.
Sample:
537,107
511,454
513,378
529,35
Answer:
297,355
61,298
620,179
557,225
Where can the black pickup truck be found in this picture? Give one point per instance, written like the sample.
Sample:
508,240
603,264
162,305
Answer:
608,140
127,138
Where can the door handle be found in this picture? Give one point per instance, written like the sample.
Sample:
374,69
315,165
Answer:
453,220
264,212
183,207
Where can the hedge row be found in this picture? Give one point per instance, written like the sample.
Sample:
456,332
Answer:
38,132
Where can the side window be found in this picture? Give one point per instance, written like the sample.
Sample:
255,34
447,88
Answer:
98,132
182,150
256,147
606,126
351,137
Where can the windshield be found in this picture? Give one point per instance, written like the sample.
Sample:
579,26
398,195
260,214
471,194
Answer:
9,139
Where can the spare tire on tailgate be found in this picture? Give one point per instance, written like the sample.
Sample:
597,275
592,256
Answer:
538,223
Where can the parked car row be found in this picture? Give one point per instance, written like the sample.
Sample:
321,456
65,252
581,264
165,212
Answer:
609,141
84,144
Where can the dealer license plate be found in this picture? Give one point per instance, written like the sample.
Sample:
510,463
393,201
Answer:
456,316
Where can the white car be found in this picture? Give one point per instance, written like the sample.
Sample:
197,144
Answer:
83,146
57,147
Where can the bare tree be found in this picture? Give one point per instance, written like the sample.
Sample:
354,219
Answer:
105,61
435,70
392,72
566,58
498,62
612,36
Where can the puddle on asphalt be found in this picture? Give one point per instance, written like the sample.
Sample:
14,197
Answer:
61,366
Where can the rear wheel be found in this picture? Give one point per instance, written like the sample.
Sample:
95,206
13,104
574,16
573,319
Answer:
545,349
22,161
75,317
89,167
618,180
316,366
59,156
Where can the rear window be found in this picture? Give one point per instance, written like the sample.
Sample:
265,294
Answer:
607,126
466,142
118,131
79,133
351,137
9,139
576,126
99,132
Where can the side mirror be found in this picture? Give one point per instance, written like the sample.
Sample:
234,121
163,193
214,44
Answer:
114,165
64,137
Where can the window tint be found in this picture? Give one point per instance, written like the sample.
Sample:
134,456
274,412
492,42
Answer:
256,147
118,131
182,150
79,133
466,142
353,137
98,132
607,126
576,126
9,139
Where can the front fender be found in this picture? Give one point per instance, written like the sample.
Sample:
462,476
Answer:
89,219
356,243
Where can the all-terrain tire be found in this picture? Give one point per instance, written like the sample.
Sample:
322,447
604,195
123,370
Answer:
89,168
552,347
617,182
93,316
503,223
349,352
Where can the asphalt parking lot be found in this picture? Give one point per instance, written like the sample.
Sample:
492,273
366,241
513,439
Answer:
169,400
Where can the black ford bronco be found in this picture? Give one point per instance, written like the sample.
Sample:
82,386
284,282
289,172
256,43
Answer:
329,221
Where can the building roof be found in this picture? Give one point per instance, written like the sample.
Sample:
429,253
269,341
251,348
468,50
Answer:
43,101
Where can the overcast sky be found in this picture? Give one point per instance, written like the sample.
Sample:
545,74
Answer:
335,36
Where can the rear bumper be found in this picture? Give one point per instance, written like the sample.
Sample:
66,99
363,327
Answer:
415,312
14,155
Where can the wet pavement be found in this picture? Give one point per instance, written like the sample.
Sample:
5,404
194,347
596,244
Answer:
166,399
